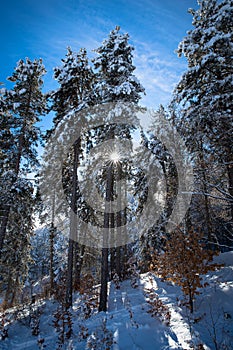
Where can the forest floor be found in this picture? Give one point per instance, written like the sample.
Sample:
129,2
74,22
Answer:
129,325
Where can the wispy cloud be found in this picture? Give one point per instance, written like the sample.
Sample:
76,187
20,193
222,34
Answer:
48,29
158,71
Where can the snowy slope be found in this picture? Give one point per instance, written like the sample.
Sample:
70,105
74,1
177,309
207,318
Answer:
129,326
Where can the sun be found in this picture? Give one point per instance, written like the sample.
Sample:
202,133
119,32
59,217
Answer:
114,157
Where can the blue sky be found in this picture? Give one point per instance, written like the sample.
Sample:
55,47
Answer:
45,28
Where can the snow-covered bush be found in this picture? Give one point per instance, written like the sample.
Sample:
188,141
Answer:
63,324
87,305
101,339
4,322
157,307
133,272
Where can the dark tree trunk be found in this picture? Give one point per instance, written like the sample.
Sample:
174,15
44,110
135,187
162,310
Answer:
104,281
104,259
78,262
112,261
230,188
191,301
113,249
51,237
51,267
73,227
4,222
118,263
124,260
119,222
211,238
69,282
124,249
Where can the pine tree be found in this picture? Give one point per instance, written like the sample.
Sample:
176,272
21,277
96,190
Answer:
22,107
75,77
115,83
6,159
204,95
158,157
81,88
16,250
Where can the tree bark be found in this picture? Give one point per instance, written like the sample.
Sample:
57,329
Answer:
51,267
104,259
73,228
230,188
51,238
206,199
119,222
3,227
78,262
112,249
69,282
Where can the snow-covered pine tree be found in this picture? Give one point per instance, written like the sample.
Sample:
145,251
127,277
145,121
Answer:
205,94
6,136
115,78
6,142
16,250
40,253
23,105
160,157
115,83
76,78
22,108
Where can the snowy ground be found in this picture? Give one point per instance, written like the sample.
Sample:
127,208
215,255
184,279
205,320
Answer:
129,326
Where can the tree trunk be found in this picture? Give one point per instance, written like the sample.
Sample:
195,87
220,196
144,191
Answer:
230,188
112,262
119,221
113,249
73,227
51,267
3,227
104,259
69,282
191,301
210,236
78,262
51,238
104,281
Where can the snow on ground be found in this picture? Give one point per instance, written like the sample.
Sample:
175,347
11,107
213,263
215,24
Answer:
129,326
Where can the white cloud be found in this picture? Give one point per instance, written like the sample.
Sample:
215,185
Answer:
158,71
